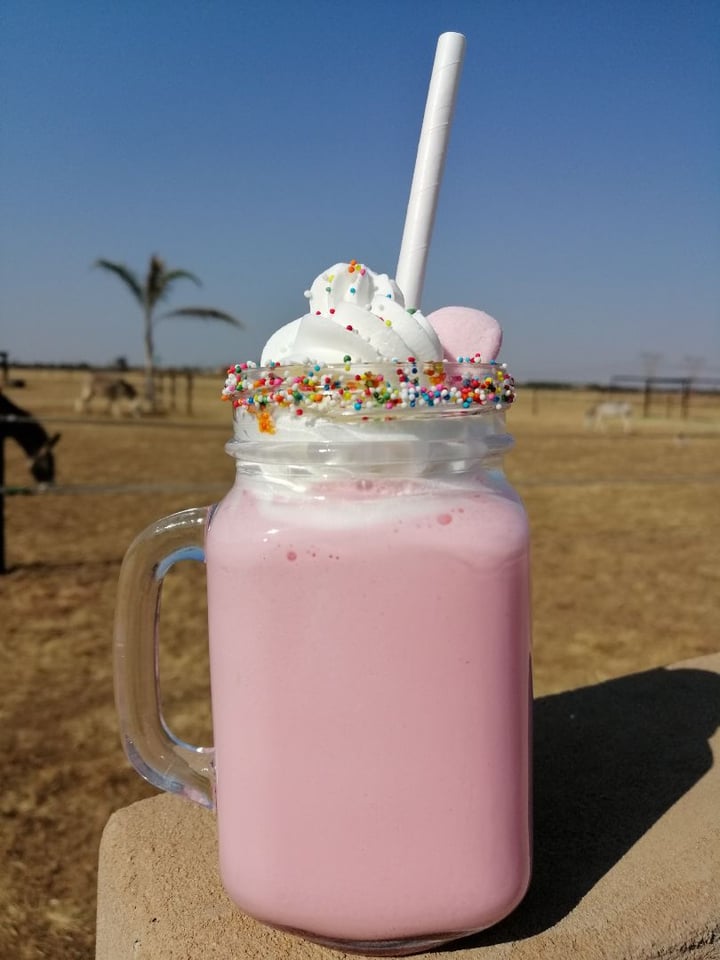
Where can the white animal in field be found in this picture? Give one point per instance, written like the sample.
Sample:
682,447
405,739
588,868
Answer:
600,414
113,390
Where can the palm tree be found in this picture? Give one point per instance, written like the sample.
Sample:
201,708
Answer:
149,293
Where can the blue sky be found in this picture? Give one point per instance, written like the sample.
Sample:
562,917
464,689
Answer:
256,143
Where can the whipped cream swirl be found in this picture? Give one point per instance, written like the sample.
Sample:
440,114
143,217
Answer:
354,314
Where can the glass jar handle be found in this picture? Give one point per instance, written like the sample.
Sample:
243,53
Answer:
156,753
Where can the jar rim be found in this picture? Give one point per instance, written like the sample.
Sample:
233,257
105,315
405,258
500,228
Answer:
370,390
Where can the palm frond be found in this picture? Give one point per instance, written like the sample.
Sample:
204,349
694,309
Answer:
181,275
202,313
126,275
167,279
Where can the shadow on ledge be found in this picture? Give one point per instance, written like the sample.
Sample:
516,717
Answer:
609,761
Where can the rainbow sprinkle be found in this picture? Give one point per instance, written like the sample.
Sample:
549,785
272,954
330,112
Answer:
389,389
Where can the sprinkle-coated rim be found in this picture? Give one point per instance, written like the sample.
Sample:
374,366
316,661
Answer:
363,391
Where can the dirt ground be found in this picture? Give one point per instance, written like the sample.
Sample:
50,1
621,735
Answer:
626,576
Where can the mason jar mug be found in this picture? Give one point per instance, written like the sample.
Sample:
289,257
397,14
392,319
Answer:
369,637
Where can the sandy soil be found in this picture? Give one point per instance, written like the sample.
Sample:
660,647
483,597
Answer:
626,576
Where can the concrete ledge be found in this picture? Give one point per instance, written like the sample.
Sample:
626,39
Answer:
627,846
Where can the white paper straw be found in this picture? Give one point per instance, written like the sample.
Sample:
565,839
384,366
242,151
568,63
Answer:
429,165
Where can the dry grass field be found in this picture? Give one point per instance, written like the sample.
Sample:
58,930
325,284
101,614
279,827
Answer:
626,576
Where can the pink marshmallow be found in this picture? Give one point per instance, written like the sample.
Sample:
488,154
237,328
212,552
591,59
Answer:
463,332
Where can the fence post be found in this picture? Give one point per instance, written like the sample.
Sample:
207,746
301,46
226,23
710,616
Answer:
173,390
3,569
189,393
685,398
646,399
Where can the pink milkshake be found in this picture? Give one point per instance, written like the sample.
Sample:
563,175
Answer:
371,706
369,626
